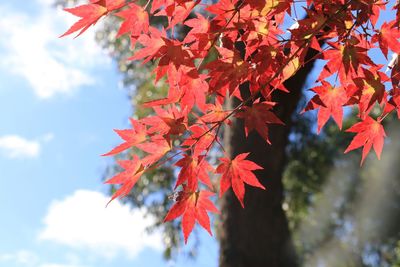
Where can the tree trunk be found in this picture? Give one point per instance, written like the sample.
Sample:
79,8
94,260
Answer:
258,235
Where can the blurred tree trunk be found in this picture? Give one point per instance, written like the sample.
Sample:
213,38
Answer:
259,235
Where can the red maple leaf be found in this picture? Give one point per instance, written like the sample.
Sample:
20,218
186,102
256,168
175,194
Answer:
372,89
225,7
194,89
393,103
388,37
186,87
215,113
89,15
178,13
345,60
193,206
173,56
370,133
157,147
257,117
175,92
136,21
193,169
167,122
128,178
132,137
330,101
235,173
109,4
156,5
199,25
152,44
228,72
200,140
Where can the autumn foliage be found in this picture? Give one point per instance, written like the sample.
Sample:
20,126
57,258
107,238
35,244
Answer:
206,67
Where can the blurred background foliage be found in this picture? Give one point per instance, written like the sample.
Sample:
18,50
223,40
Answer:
339,214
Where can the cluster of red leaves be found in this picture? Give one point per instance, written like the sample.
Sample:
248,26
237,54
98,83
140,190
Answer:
340,32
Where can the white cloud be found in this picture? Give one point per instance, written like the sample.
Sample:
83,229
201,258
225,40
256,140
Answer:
33,50
18,147
14,146
22,257
82,221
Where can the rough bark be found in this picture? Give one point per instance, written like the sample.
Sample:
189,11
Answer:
258,235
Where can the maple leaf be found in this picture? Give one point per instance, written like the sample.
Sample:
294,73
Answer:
175,92
373,90
200,38
89,15
172,53
305,28
194,168
176,125
290,69
215,114
136,21
199,25
174,95
370,133
393,103
156,148
114,4
235,173
174,56
178,13
200,140
344,59
260,31
194,89
186,87
156,5
192,206
330,101
132,137
152,44
222,7
264,8
109,4
228,72
167,122
388,38
257,117
133,169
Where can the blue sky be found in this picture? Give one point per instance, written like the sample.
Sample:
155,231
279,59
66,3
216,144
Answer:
59,101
